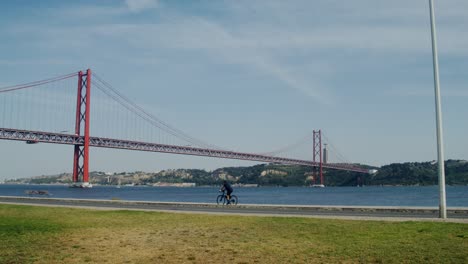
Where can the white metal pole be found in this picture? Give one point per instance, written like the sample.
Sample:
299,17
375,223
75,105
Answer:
440,143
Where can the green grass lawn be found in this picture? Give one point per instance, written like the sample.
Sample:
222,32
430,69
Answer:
64,235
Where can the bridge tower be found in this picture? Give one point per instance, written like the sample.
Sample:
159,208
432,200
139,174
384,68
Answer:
325,153
317,158
81,153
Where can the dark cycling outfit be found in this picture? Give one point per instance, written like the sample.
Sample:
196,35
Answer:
228,188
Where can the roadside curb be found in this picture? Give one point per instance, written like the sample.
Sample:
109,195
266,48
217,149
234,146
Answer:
338,212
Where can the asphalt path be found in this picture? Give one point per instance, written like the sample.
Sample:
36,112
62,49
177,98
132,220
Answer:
389,213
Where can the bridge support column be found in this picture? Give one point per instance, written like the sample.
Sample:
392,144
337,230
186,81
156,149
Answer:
81,153
318,170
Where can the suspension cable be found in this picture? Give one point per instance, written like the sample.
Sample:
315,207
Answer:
36,83
339,156
131,106
288,147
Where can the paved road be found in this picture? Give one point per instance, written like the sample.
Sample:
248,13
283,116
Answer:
348,212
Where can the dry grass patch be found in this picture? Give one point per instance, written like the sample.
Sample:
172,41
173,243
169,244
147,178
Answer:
61,235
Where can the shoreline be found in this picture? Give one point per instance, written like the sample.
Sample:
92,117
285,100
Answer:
237,186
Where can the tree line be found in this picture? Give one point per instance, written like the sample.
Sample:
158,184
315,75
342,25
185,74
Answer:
409,173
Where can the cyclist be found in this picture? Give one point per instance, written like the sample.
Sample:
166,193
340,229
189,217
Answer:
227,187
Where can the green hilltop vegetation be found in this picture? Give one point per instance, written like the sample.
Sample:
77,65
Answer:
409,173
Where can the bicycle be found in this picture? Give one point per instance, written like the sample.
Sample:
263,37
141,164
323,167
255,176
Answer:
222,199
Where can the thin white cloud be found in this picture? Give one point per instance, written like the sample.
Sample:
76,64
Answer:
309,88
193,34
140,5
79,12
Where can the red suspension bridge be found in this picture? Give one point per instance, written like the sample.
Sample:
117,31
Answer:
109,119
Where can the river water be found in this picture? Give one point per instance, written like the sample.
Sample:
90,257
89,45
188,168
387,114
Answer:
457,196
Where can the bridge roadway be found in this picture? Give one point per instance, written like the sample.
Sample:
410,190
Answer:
68,139
391,213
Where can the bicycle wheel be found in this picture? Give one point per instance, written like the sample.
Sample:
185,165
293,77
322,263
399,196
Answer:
233,199
220,199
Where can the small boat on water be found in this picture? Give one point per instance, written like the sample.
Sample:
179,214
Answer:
81,185
317,186
38,192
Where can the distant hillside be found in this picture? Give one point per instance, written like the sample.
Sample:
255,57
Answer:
420,173
411,173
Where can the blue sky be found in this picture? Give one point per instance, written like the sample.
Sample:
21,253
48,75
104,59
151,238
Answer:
251,75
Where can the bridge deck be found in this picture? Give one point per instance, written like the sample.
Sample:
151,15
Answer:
68,139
